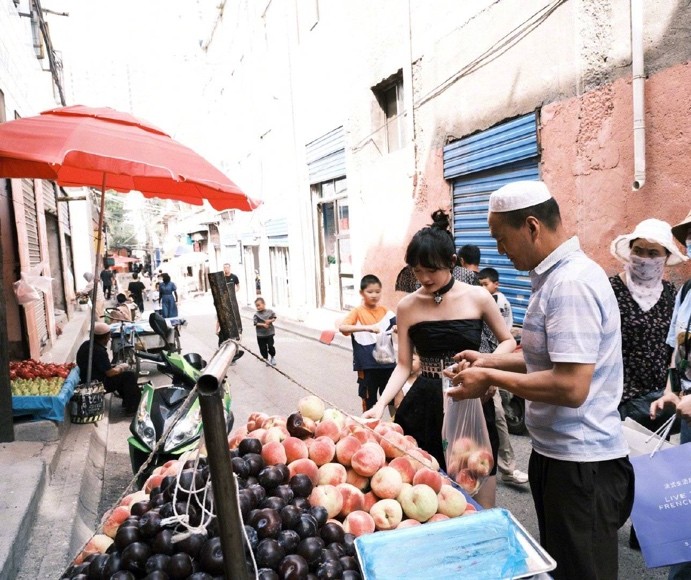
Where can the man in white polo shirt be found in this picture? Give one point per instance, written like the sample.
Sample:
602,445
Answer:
570,373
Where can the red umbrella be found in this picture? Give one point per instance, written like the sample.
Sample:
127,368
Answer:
101,147
104,148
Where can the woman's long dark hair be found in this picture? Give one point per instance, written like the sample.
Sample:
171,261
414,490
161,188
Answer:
433,246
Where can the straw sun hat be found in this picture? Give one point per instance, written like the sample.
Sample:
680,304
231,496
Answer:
654,231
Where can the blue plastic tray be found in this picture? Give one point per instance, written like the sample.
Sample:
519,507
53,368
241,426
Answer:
490,545
45,407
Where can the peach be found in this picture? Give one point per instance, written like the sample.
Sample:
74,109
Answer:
273,453
438,517
114,519
418,459
394,444
387,483
359,481
311,406
258,434
346,447
295,449
335,521
236,436
306,466
470,509
387,514
467,480
98,544
140,495
409,523
274,421
396,427
331,474
152,482
428,477
353,499
481,462
358,523
328,497
405,489
420,502
366,461
328,428
370,499
404,467
411,440
336,416
322,450
452,502
309,424
275,433
363,435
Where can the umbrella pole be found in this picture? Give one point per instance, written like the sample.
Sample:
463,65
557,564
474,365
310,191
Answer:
94,291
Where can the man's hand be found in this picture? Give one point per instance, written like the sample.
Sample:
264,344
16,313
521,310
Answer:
471,382
658,406
684,408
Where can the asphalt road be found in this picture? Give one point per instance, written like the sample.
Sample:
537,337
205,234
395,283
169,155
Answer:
307,366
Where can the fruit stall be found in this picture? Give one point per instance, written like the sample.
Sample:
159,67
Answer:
321,495
42,390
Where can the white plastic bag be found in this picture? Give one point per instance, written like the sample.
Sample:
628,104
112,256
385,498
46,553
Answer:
467,449
384,352
25,289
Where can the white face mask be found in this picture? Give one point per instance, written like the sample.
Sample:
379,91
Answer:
644,280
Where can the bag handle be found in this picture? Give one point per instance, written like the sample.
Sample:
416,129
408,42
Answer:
662,433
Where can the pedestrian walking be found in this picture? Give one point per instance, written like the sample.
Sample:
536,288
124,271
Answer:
168,294
136,289
264,319
570,373
107,276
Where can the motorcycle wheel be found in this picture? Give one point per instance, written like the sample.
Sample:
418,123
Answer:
514,410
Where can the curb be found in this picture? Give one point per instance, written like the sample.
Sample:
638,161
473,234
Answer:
20,508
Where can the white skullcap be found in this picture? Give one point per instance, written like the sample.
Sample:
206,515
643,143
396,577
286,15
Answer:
518,195
101,328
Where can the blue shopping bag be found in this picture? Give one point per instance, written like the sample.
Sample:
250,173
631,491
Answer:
662,505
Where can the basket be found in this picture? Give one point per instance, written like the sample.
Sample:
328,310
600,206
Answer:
87,403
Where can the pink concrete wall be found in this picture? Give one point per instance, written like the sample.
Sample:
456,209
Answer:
587,160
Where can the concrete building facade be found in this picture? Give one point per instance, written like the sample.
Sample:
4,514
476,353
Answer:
345,117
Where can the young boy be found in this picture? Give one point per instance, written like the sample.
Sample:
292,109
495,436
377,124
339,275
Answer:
506,462
362,324
489,278
264,322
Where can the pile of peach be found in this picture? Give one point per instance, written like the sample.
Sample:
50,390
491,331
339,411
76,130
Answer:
368,476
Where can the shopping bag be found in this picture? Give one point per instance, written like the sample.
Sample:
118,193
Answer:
640,439
466,444
662,505
384,352
27,287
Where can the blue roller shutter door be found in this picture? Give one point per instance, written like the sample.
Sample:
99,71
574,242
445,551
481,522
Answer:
477,166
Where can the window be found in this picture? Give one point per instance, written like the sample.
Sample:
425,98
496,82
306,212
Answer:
390,98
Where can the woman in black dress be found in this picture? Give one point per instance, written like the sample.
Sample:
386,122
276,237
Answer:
440,319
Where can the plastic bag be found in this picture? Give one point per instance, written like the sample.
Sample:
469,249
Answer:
384,352
25,289
465,440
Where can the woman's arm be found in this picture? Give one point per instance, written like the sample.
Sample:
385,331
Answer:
404,364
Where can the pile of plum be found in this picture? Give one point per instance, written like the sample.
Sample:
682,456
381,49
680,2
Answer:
287,538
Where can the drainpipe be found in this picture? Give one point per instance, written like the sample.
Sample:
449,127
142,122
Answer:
638,85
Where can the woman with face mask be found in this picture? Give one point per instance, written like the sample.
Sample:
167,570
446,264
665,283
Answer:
646,304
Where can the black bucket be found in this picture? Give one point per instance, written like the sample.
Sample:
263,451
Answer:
87,403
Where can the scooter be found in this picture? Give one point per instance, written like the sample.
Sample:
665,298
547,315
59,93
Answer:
159,404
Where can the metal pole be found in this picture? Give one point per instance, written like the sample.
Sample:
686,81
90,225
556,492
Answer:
226,305
210,386
94,291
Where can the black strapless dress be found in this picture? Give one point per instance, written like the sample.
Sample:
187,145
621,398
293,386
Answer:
421,412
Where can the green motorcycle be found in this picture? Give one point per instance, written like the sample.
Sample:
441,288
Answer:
157,409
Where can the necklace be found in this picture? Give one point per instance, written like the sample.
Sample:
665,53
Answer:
439,294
